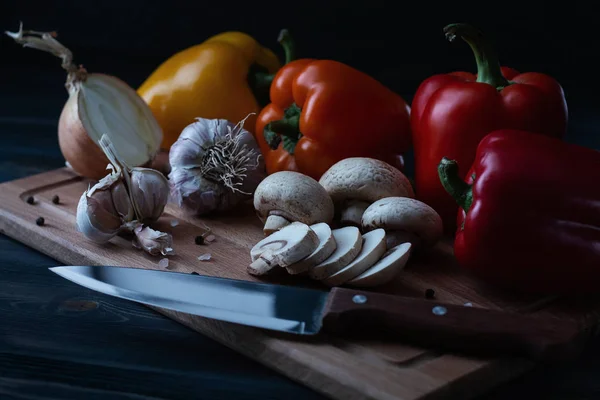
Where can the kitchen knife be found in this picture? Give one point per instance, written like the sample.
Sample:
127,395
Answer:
339,311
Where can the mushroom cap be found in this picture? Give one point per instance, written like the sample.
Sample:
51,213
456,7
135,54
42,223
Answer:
294,196
404,214
364,179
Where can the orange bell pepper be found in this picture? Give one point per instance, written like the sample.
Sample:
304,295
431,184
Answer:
323,111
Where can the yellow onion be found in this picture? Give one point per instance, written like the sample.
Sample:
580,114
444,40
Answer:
98,104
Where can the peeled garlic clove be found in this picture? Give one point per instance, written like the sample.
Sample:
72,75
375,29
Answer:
121,201
150,193
152,241
94,220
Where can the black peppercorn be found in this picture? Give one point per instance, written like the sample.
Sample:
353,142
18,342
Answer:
30,200
55,199
40,221
195,273
429,294
199,240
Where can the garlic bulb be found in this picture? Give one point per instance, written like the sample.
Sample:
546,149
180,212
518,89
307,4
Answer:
148,189
125,200
150,193
98,104
121,201
97,215
214,166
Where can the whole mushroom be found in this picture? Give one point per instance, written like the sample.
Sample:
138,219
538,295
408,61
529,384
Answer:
288,196
404,220
356,182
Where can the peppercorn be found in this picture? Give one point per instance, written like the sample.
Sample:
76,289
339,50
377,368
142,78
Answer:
199,239
30,200
40,221
429,294
195,273
55,199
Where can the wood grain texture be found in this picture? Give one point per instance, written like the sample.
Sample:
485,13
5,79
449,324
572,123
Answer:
336,367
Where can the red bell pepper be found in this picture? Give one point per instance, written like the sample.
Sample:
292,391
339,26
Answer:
529,216
323,111
451,113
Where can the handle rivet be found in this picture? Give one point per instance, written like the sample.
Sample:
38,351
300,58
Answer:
439,310
359,299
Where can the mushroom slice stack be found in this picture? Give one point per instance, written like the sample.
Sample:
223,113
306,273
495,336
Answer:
385,269
327,246
283,248
349,243
404,220
372,250
356,182
288,196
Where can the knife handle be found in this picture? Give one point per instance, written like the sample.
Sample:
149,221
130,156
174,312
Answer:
451,327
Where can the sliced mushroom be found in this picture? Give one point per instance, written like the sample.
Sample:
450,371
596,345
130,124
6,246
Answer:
287,196
404,220
285,247
372,250
356,182
392,262
349,243
327,246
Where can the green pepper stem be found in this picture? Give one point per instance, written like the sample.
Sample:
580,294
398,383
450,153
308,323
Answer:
260,80
285,40
488,66
286,129
460,190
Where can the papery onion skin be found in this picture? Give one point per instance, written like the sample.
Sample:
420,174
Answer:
118,111
196,194
79,150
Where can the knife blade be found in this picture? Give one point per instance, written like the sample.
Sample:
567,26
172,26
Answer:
340,311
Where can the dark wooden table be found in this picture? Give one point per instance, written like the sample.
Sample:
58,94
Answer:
62,341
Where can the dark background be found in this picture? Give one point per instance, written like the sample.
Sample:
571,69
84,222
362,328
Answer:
399,43
122,350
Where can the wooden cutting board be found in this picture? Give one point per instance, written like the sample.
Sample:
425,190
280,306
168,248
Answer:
338,368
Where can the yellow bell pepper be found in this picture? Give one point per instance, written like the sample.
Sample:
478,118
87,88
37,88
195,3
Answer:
214,79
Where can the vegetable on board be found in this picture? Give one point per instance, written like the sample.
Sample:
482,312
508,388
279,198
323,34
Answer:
373,248
451,113
530,213
404,220
215,165
323,111
98,104
326,248
354,183
289,196
221,78
287,246
126,200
